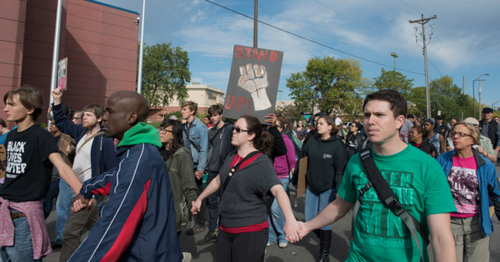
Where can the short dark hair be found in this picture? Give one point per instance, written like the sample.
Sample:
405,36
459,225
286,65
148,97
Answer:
215,109
393,97
193,106
30,98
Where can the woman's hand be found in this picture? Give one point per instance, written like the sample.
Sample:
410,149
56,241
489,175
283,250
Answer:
292,231
196,206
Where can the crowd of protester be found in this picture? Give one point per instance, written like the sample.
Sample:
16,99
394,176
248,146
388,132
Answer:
135,188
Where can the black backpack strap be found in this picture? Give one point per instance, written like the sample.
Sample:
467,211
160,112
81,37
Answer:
389,198
190,141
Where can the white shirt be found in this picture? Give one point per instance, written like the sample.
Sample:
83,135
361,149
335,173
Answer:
82,164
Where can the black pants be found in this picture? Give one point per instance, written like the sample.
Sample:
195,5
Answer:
212,203
201,218
243,247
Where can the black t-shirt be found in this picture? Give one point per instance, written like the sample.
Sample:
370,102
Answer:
28,171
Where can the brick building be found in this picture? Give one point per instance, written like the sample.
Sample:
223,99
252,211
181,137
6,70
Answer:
99,40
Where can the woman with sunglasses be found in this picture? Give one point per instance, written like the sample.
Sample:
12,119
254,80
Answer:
247,181
473,185
325,167
180,170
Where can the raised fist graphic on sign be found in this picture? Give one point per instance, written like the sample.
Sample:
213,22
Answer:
254,80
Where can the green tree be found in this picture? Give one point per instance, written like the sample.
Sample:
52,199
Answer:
445,96
327,82
165,74
392,80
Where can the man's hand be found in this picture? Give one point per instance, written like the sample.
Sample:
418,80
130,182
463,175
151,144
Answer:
271,118
81,203
497,150
57,94
199,174
254,80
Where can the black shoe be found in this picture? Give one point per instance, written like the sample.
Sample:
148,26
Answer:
55,246
209,238
325,240
196,229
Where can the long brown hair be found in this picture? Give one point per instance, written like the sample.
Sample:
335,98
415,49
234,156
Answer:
263,140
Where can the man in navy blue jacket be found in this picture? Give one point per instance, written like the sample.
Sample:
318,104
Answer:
95,154
138,222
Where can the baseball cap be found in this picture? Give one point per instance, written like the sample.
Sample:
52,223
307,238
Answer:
487,110
439,117
472,121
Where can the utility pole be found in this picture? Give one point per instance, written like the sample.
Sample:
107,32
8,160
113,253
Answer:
255,22
424,21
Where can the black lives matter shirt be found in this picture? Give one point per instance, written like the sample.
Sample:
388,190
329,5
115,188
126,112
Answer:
28,171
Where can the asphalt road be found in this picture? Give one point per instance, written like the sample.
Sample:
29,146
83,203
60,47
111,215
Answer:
305,250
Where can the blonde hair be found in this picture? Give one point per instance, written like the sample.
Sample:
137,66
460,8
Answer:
474,131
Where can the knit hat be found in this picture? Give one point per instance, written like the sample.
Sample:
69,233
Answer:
431,121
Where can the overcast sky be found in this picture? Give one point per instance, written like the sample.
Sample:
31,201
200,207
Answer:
465,39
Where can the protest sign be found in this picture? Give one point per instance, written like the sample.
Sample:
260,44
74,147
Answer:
62,74
253,82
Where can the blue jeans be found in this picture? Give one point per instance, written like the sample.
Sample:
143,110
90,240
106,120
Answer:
47,201
277,219
22,251
63,207
316,202
212,204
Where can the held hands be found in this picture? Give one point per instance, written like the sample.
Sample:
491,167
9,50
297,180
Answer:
81,203
254,80
292,231
302,229
57,94
196,205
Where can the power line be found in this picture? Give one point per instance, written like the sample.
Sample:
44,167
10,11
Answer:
310,40
354,20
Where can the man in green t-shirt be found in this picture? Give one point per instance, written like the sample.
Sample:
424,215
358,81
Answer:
416,178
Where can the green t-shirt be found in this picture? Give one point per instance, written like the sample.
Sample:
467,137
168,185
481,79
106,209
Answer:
420,184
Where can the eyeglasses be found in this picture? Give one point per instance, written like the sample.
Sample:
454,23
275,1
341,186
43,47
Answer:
239,130
164,131
460,134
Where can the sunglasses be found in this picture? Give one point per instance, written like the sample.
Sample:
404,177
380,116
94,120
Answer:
239,130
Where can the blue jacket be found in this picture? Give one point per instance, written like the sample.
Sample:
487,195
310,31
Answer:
198,133
138,221
488,187
102,152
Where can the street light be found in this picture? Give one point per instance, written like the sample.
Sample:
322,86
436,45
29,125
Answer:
474,93
394,55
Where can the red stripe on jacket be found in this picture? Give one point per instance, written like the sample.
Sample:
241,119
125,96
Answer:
102,191
128,230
